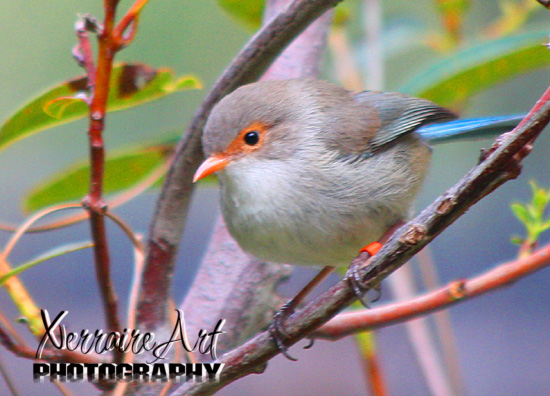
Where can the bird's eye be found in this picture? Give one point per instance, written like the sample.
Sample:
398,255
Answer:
252,138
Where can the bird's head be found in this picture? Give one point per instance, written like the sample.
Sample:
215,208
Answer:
264,120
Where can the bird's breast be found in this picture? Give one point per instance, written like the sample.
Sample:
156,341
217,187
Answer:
319,212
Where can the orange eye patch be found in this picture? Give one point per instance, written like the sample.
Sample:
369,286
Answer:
248,140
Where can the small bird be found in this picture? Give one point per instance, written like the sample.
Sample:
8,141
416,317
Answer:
310,172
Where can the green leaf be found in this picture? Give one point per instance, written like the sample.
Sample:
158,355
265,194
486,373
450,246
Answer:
545,226
521,213
131,85
453,80
55,108
343,13
123,171
541,198
55,252
531,215
248,11
453,6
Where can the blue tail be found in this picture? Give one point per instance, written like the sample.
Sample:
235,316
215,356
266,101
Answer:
475,128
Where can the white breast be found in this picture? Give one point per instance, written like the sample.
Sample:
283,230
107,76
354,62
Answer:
318,215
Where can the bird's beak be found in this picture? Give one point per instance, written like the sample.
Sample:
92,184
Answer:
211,165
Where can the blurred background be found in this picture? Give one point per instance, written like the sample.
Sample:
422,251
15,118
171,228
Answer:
503,338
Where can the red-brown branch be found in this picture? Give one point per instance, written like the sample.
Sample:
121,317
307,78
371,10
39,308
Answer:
455,292
94,200
50,355
108,45
130,20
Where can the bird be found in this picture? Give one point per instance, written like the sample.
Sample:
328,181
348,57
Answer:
311,172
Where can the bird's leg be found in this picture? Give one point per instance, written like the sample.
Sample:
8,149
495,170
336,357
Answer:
352,275
276,326
354,279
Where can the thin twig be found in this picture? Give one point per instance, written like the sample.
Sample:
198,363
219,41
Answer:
421,337
443,324
128,231
13,285
51,355
109,43
114,202
11,330
93,202
28,223
129,19
7,380
453,293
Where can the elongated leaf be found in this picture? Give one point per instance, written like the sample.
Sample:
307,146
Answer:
466,73
55,252
247,11
521,213
541,198
122,171
131,85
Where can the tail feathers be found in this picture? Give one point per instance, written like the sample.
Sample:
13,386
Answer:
470,129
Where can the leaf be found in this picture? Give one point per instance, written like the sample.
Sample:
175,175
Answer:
451,81
248,11
521,213
343,13
541,198
55,252
545,226
122,171
56,107
131,85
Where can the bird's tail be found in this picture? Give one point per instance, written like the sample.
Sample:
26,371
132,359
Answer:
470,129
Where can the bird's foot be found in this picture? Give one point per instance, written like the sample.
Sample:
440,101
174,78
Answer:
355,280
276,329
276,326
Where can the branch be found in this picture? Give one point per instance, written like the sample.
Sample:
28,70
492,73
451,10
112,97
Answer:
99,80
93,202
500,165
48,355
172,206
453,293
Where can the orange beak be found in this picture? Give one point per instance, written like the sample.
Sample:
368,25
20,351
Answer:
211,165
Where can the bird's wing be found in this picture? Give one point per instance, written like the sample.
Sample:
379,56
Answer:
400,115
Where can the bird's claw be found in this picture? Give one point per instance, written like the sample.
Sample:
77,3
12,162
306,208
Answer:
310,343
276,329
361,290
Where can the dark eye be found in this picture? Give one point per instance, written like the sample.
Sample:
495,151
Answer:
252,138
